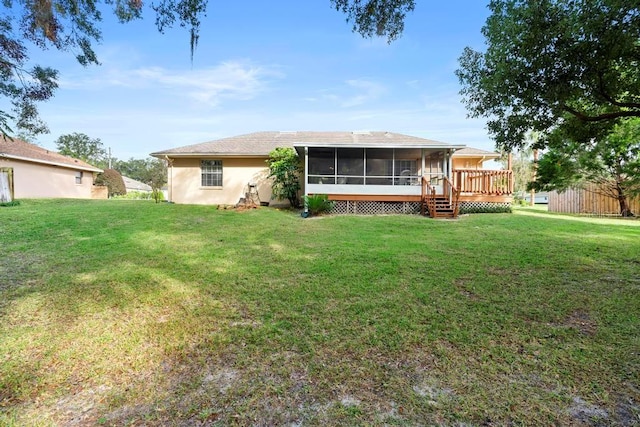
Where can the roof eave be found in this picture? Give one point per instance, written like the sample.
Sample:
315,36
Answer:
485,155
46,162
162,155
365,145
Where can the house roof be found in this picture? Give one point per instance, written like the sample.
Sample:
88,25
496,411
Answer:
132,184
262,143
20,150
476,152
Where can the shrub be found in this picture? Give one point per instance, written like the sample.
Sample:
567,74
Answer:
157,195
135,195
318,204
285,169
485,209
113,180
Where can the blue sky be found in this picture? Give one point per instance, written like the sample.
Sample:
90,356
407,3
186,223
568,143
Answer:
268,65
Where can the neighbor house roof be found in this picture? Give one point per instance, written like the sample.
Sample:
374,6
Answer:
132,184
17,149
476,152
262,143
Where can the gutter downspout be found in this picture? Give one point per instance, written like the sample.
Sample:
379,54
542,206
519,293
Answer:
169,178
480,162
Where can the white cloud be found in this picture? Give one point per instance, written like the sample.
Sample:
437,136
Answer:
356,92
228,80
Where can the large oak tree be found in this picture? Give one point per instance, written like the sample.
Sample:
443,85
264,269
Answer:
550,64
74,25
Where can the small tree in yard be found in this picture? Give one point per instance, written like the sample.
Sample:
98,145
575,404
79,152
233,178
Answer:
154,174
285,168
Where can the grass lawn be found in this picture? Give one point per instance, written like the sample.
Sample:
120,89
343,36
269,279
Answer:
135,313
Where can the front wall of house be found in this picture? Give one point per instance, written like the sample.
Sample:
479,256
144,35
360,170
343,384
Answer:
34,180
185,181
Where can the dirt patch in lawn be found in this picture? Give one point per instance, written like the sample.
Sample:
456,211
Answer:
581,321
19,269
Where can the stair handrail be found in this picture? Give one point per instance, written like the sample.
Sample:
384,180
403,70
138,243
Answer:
455,196
428,197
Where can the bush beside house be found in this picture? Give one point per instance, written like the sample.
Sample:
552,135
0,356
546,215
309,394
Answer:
113,180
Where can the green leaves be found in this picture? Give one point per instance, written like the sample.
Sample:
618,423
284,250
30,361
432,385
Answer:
376,17
81,146
285,169
554,63
612,162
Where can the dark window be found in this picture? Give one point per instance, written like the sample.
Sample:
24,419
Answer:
211,172
351,161
322,161
79,177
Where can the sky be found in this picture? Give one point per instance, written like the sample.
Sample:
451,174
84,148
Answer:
267,66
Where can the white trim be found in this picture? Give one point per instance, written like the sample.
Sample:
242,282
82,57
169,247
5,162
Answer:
393,190
374,145
209,154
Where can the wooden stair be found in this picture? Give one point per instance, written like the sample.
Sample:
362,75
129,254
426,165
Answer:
439,207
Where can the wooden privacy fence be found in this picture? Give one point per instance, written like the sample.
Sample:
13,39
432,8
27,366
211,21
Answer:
588,201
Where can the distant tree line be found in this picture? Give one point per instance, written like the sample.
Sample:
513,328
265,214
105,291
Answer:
150,171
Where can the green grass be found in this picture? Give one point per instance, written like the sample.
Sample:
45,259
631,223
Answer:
131,312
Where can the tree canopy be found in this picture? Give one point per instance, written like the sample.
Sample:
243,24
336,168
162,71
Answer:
74,25
83,147
570,64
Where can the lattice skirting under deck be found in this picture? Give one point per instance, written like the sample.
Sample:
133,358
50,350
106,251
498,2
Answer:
375,208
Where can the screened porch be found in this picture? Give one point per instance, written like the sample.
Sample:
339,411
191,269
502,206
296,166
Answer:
374,171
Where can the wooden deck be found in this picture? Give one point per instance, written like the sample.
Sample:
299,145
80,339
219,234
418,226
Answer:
466,185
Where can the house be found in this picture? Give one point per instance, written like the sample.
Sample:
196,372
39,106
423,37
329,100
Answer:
35,172
473,158
541,198
365,172
132,185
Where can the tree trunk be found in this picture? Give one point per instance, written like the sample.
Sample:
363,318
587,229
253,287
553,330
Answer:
625,210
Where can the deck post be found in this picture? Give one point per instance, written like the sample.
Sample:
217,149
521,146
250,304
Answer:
449,161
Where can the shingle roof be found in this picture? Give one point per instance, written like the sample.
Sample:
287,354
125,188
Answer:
262,143
476,152
21,150
132,184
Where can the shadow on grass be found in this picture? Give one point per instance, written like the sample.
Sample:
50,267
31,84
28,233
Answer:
185,314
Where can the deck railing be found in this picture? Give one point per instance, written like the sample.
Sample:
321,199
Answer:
491,182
